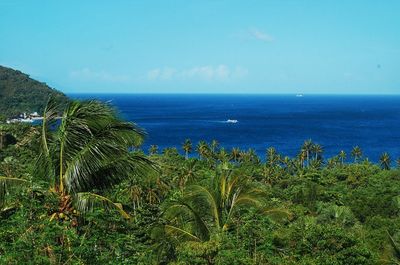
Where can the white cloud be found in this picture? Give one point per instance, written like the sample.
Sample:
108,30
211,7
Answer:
153,74
86,74
205,73
262,36
166,73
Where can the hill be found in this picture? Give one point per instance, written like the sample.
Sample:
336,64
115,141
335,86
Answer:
19,93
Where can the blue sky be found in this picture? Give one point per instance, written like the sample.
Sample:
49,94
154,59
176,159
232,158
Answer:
337,47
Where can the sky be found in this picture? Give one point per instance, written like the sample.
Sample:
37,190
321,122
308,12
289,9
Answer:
282,46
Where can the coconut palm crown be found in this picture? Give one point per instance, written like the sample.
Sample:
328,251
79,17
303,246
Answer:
208,209
187,148
385,161
87,149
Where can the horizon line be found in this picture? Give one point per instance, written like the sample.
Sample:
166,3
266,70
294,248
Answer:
226,93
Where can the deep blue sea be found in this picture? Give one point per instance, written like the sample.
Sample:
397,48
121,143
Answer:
281,121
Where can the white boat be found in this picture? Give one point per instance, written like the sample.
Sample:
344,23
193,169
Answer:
299,95
231,121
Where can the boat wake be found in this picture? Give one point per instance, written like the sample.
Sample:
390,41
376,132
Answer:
231,121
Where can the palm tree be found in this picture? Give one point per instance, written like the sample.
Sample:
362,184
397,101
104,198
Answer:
214,146
153,149
235,153
265,172
272,156
202,149
334,161
315,163
152,196
211,209
289,164
223,157
385,161
302,157
187,173
170,152
253,156
134,192
88,150
243,156
307,148
356,153
317,150
286,161
187,147
331,163
342,156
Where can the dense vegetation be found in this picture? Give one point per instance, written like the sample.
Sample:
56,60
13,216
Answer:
76,195
19,93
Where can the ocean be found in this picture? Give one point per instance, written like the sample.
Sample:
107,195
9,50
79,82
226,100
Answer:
281,121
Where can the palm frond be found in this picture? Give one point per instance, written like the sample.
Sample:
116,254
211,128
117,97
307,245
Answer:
90,148
232,183
185,211
86,202
11,179
180,233
203,193
89,170
246,200
49,118
277,214
89,119
244,197
44,163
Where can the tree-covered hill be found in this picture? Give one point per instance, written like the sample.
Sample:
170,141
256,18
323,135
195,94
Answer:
19,93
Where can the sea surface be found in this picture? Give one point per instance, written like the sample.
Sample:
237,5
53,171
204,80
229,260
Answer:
282,121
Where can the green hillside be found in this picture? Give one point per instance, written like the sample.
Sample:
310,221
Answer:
20,93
